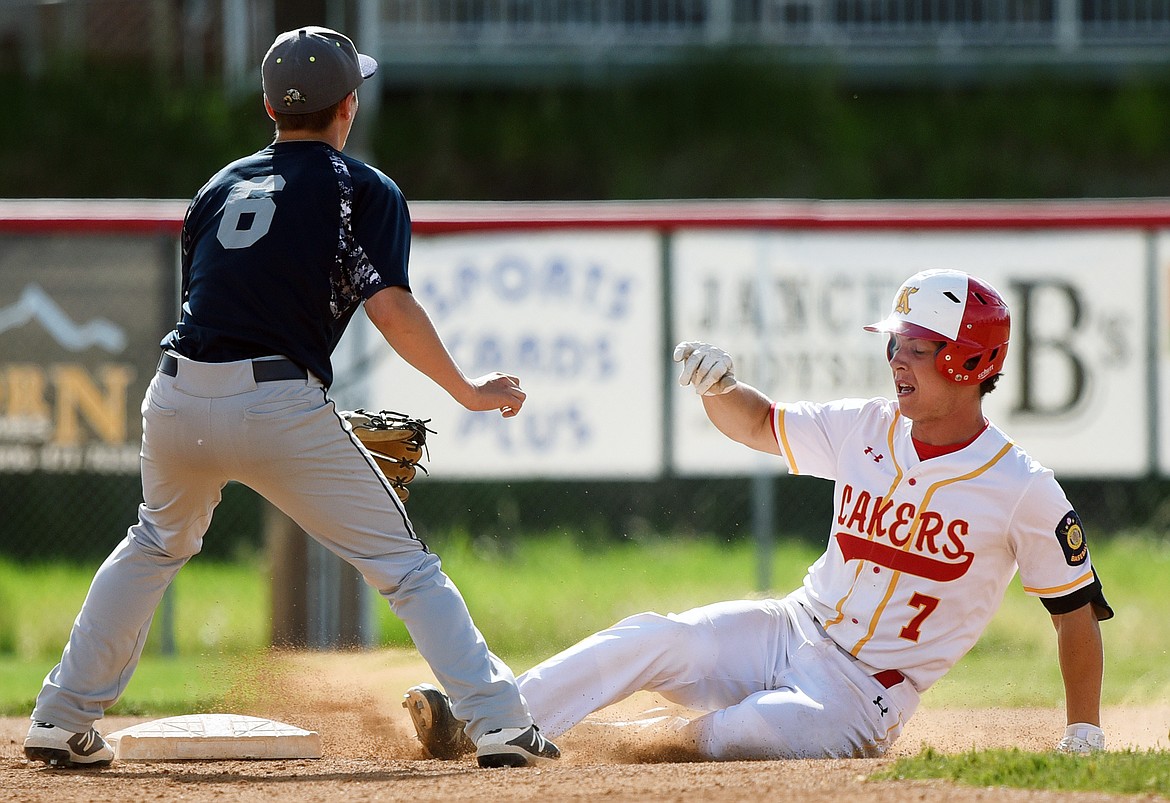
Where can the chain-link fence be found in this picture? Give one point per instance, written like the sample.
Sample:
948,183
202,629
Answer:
80,517
81,315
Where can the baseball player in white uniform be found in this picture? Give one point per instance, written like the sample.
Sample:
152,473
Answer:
935,509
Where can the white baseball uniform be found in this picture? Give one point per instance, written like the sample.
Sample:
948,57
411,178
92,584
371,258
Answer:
919,554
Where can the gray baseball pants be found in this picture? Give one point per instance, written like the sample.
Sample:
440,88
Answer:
213,423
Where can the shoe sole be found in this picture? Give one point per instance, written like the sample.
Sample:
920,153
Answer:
419,707
422,714
56,757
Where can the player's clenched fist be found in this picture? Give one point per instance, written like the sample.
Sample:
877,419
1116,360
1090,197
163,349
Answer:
707,368
496,391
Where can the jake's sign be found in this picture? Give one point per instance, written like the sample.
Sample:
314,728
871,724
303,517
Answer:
790,307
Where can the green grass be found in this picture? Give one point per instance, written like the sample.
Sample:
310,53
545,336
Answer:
161,686
221,614
542,594
218,607
1124,772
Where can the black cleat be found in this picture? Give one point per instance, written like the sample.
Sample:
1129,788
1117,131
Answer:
515,747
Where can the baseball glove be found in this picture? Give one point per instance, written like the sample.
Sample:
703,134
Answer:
396,441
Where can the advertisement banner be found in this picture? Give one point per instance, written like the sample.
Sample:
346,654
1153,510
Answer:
790,307
80,321
1161,348
576,316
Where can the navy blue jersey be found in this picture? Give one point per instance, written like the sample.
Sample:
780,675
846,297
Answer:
279,250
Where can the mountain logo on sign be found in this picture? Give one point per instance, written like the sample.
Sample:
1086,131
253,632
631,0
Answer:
35,304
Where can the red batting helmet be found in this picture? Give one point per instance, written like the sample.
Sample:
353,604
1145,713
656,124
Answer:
965,312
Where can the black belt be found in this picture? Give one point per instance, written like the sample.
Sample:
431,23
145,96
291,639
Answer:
262,370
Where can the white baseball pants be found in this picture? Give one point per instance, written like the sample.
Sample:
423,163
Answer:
774,684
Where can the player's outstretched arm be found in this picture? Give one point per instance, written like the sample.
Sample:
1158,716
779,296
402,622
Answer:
744,415
738,410
407,327
1082,661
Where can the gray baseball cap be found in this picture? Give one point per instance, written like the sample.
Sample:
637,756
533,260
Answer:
311,68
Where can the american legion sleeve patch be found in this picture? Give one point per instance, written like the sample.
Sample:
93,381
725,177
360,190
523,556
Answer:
1071,536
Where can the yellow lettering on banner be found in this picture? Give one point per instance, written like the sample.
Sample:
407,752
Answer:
25,397
103,408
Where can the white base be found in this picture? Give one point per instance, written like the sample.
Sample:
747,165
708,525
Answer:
213,736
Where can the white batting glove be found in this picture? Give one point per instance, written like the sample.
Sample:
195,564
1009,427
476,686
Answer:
1081,738
707,368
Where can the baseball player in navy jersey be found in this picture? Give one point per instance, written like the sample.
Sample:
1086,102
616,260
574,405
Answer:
935,510
279,249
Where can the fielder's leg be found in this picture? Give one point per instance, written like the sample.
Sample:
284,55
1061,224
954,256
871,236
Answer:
180,492
332,489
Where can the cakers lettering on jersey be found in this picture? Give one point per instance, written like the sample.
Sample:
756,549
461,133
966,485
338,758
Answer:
921,542
1071,535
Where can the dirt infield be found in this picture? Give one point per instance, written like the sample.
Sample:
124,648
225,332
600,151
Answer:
371,753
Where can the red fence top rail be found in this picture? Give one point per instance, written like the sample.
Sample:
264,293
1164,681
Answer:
447,217
796,214
44,216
